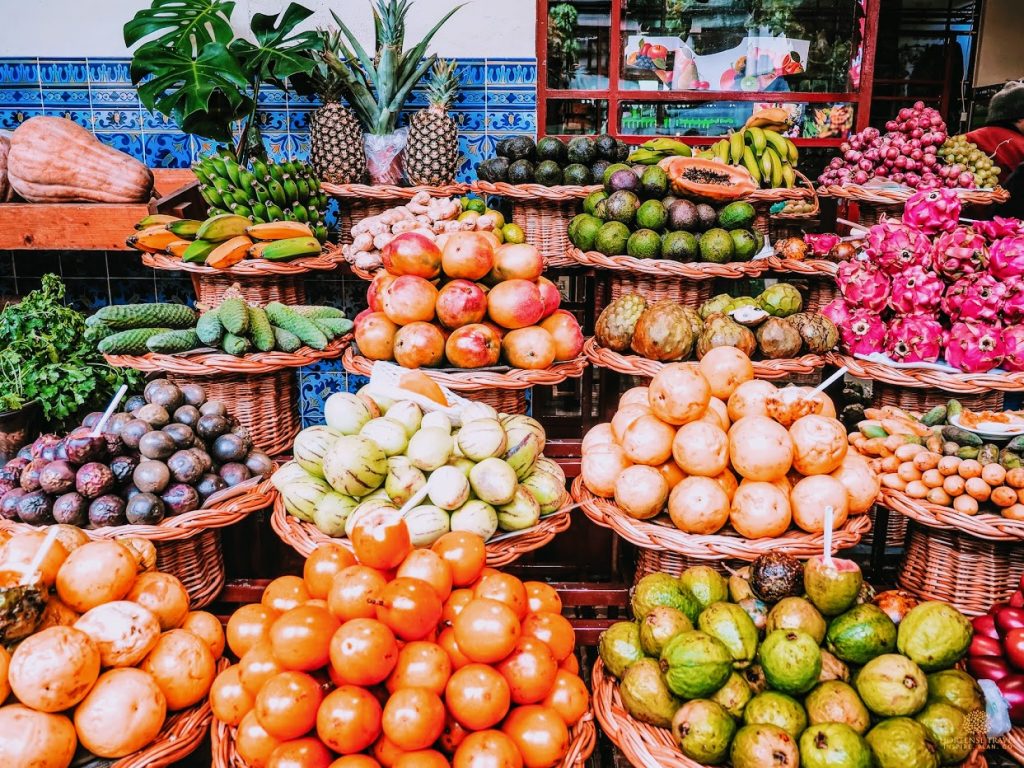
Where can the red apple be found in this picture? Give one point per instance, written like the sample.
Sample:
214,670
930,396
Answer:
409,299
517,261
987,667
418,345
473,346
1012,688
373,294
375,336
549,295
515,304
532,348
461,302
1009,618
468,255
412,253
566,332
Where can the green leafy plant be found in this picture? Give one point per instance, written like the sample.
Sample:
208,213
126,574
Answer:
563,49
47,354
193,69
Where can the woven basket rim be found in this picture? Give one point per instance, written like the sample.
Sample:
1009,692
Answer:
206,364
690,270
713,546
1013,743
391,191
636,365
304,537
330,258
928,378
982,526
475,381
538,192
235,506
860,193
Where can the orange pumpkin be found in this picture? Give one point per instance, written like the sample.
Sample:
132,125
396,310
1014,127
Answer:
708,179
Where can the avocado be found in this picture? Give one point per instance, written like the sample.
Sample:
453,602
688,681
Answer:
744,244
501,148
601,209
683,217
590,204
521,148
622,207
652,215
581,150
551,148
607,147
706,217
622,150
583,231
494,169
548,173
653,183
716,246
644,244
610,171
612,238
680,246
598,168
577,174
521,172
737,215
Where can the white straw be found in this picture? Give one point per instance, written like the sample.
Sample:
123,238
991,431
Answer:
852,224
44,548
828,536
825,384
110,409
415,499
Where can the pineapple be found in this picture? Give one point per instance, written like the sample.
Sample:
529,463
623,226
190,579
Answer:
432,152
335,133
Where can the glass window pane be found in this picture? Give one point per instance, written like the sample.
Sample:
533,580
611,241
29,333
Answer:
724,45
584,116
578,44
718,118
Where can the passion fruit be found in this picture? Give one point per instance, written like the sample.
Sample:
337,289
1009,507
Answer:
193,394
133,403
235,473
29,480
210,484
205,460
164,393
71,509
213,408
9,503
259,463
123,467
57,477
156,415
145,509
211,426
156,445
228,448
151,476
180,498
36,508
181,434
108,509
187,415
82,446
186,466
132,432
94,480
116,423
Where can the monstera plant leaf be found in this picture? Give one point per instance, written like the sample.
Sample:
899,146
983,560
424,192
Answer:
278,53
184,24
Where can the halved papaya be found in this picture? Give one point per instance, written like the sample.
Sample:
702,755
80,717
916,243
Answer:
708,179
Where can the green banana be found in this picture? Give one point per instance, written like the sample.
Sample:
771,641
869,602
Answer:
777,142
245,179
277,192
198,251
291,190
750,163
261,192
314,214
766,166
211,195
289,215
220,228
303,189
217,164
276,173
240,196
233,169
242,210
293,167
758,139
721,150
274,212
735,147
259,169
321,233
314,183
323,201
223,186
216,211
290,248
645,157
300,212
200,171
259,210
185,228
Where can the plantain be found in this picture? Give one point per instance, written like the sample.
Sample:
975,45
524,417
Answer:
259,169
290,248
277,192
721,150
155,220
793,152
788,175
185,228
776,167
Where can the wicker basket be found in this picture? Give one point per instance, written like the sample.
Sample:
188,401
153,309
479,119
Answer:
722,546
661,561
1013,743
898,196
818,294
971,574
923,400
685,292
358,201
987,526
929,378
895,531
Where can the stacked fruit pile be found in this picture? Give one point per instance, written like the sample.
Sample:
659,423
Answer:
264,192
235,326
962,155
551,161
489,474
104,658
636,215
493,303
683,440
789,664
928,287
997,651
406,658
165,454
667,331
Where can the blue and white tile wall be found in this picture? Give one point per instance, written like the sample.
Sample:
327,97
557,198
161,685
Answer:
498,99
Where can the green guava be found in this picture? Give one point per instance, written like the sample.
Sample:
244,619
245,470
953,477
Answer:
734,695
834,745
949,729
659,626
956,687
797,613
645,696
892,686
861,634
619,647
778,709
757,746
935,635
836,702
731,625
703,731
900,742
656,589
706,584
695,664
791,661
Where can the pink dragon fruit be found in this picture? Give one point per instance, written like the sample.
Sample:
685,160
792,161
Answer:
863,333
895,246
916,338
975,297
916,290
822,245
999,228
932,211
961,251
1013,348
863,285
974,347
1006,257
1013,308
838,311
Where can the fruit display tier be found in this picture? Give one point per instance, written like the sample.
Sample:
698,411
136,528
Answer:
560,193
928,377
502,388
655,535
983,526
703,270
502,550
357,201
874,203
635,365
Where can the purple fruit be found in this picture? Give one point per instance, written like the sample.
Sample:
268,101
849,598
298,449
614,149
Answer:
130,491
107,510
180,498
133,431
116,423
145,509
36,508
8,485
133,403
30,474
259,463
94,479
41,442
151,476
181,434
60,451
187,415
25,452
185,467
12,469
57,477
235,473
113,443
9,503
71,509
83,447
123,467
210,484
92,419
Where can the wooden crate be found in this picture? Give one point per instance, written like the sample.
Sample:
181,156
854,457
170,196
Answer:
82,226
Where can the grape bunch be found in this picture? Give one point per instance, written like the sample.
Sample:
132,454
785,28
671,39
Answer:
962,158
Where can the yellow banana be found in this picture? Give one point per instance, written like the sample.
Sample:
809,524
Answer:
766,166
757,140
721,150
185,228
279,230
750,163
155,220
788,176
777,142
793,152
293,247
776,167
736,147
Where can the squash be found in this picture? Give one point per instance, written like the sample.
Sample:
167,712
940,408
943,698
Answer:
708,179
6,192
53,160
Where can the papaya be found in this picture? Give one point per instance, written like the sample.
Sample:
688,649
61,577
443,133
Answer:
708,179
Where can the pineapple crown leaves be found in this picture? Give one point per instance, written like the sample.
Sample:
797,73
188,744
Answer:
444,84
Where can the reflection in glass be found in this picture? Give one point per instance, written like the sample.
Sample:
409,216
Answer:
718,118
578,44
576,116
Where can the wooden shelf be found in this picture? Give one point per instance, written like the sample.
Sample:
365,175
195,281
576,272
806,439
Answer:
82,226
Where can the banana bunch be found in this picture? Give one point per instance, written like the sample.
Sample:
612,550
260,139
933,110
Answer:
654,151
766,154
263,192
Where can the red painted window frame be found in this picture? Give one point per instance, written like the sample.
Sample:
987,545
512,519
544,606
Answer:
614,95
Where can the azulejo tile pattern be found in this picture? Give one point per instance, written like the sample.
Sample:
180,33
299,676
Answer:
498,99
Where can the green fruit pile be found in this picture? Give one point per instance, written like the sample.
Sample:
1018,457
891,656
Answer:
796,665
958,151
552,162
635,215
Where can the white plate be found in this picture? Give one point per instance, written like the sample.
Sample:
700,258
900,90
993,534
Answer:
992,431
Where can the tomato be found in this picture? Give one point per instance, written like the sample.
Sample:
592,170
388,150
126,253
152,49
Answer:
355,761
554,629
247,626
207,628
542,597
530,671
352,590
253,743
257,666
300,638
447,641
287,704
285,593
486,631
504,588
570,664
424,759
568,697
387,752
477,696
413,718
465,553
229,699
348,720
309,752
363,652
453,735
410,607
428,566
487,749
381,539
540,734
1013,644
421,665
322,565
